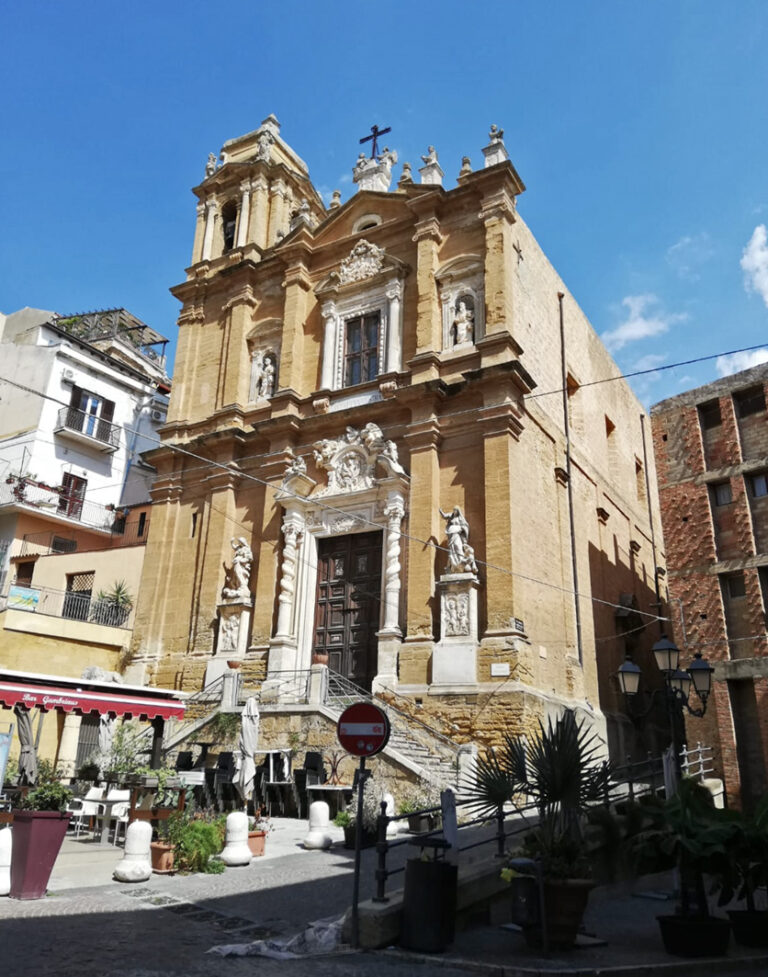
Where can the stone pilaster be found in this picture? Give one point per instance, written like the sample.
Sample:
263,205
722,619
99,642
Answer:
197,246
277,194
297,285
394,361
243,216
259,215
498,215
423,442
330,327
211,215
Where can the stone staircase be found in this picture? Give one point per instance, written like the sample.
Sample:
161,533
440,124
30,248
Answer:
426,752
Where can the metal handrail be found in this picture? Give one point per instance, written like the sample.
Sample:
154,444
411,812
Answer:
90,426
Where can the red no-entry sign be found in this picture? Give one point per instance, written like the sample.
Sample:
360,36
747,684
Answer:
363,729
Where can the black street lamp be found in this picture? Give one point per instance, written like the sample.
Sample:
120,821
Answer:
679,684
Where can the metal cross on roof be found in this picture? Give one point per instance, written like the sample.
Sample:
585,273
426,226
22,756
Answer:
375,133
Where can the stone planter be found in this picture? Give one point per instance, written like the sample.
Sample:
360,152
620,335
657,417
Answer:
161,853
37,840
257,842
695,936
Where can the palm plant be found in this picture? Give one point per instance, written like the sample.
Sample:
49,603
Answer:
562,773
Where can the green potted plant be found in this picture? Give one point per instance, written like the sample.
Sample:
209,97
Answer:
562,773
112,606
418,802
746,872
39,827
258,829
699,839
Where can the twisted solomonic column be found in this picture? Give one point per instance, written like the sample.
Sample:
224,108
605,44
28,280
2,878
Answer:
394,511
293,533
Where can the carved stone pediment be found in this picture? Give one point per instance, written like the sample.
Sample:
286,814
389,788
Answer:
364,262
352,461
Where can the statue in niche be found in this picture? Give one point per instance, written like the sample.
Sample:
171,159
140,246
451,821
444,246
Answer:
461,556
210,166
263,376
463,324
264,142
237,576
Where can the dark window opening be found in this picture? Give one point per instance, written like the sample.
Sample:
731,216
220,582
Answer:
142,524
734,585
77,600
758,485
193,528
721,493
71,496
228,224
750,401
709,414
24,573
361,356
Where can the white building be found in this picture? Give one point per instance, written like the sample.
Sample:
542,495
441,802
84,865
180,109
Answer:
80,398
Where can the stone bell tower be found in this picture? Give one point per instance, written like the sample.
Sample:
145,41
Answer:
256,194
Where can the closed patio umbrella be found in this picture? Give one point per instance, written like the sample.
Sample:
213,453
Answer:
247,746
28,754
106,735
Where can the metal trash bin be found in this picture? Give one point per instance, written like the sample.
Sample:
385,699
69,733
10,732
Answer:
429,900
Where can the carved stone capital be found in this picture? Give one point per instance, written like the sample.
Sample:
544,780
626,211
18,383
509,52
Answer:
394,291
428,230
328,309
498,206
245,187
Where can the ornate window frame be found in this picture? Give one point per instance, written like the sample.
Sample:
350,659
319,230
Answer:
368,281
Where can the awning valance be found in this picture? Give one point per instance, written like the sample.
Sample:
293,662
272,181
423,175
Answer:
47,697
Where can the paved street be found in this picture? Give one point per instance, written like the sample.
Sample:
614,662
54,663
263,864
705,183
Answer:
91,927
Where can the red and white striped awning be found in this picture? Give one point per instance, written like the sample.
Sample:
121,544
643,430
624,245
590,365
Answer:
84,701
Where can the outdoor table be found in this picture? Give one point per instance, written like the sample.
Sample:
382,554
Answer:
153,813
336,795
104,818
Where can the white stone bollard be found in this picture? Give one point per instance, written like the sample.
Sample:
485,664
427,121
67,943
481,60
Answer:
319,836
236,850
135,865
393,826
6,837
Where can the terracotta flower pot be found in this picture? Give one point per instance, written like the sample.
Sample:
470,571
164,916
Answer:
37,840
257,841
233,663
161,853
320,658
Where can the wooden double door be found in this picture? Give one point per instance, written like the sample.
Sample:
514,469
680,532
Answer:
348,604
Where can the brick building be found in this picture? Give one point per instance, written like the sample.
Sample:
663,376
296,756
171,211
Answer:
711,447
344,373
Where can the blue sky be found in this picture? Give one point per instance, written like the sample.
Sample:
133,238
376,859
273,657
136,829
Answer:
639,130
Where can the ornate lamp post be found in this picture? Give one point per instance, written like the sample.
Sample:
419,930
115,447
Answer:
679,684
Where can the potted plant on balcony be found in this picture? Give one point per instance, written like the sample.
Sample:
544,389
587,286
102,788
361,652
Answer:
112,606
39,826
700,840
561,773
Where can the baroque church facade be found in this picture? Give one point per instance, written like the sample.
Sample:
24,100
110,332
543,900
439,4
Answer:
382,461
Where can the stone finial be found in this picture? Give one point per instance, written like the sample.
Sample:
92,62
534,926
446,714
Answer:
210,166
495,152
431,172
271,124
335,200
466,167
375,174
407,176
302,215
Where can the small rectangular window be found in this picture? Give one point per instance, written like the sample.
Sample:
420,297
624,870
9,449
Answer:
758,485
24,573
142,524
751,401
734,585
709,414
722,493
193,527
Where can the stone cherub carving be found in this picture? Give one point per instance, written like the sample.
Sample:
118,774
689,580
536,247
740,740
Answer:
463,324
461,556
237,576
296,466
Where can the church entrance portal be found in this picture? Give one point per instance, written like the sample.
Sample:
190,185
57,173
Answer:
348,604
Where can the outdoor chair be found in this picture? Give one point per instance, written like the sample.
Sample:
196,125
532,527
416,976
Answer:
315,768
114,807
85,809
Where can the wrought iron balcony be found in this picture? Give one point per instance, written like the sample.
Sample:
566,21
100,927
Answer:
88,429
68,604
55,503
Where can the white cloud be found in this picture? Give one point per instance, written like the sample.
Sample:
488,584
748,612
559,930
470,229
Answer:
754,263
686,254
649,362
736,362
645,318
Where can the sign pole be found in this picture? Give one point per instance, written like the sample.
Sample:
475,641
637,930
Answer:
358,843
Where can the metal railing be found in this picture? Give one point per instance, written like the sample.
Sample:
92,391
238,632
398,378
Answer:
67,604
81,422
287,686
24,491
697,762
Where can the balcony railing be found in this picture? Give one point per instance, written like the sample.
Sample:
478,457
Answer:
24,491
92,428
67,604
